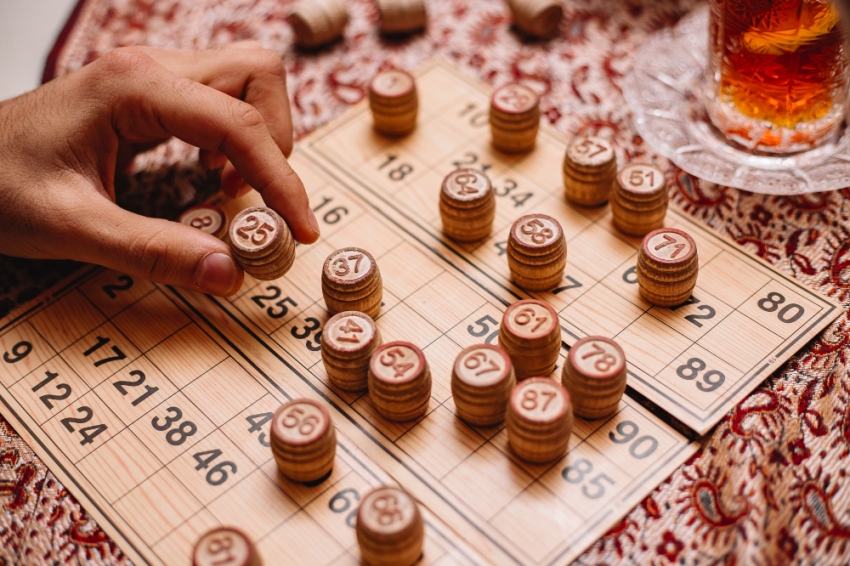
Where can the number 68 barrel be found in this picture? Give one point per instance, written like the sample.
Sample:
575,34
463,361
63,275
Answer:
303,440
537,252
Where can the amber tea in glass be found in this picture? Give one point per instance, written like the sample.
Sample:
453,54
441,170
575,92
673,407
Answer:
777,73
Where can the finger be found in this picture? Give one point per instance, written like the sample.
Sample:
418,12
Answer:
243,70
157,250
146,101
212,159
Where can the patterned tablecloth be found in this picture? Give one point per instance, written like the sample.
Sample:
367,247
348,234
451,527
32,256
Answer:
770,485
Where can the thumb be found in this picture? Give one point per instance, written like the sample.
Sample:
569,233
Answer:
159,250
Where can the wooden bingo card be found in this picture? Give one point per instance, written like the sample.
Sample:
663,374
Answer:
165,433
743,320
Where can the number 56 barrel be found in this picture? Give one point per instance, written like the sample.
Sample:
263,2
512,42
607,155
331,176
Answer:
303,440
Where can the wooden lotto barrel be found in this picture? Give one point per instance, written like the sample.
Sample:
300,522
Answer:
539,420
594,374
530,333
639,199
667,267
467,205
537,252
351,281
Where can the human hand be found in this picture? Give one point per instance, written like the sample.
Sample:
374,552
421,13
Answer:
60,146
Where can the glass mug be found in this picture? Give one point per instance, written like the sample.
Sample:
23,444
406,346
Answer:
777,73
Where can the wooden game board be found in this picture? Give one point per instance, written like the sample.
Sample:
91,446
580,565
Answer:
151,404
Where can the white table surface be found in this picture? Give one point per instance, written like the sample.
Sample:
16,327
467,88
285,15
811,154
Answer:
28,29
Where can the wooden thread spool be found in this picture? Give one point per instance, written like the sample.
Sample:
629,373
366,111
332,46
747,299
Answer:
390,529
401,16
318,22
595,376
394,102
530,333
351,281
639,200
537,18
667,267
225,545
206,218
539,420
262,243
590,170
348,341
467,205
482,381
537,252
514,118
399,381
303,440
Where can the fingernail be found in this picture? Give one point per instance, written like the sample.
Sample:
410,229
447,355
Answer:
217,274
314,223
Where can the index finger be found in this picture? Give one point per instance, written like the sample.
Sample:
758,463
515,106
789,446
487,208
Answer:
150,102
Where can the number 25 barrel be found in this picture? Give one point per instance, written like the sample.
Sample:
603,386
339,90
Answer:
262,243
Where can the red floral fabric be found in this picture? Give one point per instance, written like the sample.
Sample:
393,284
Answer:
770,484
